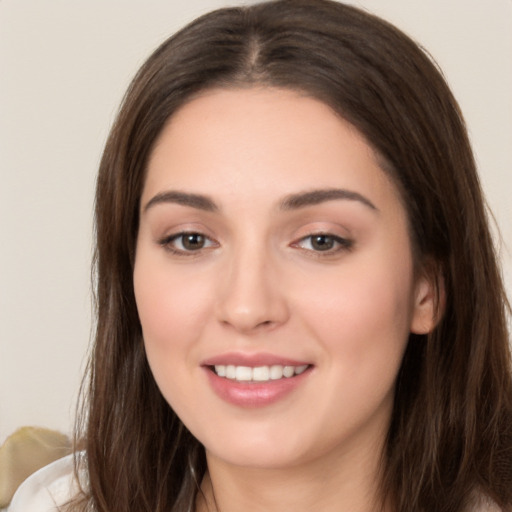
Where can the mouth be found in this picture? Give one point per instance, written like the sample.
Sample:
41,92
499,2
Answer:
255,380
258,373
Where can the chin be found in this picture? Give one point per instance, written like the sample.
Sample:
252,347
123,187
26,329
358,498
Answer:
270,451
257,458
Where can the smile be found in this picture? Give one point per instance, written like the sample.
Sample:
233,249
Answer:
258,373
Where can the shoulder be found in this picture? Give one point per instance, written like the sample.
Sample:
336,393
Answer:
47,489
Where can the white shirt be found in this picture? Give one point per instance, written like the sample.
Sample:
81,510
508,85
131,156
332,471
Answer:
47,489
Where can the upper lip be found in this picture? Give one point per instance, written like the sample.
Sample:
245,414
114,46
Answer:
251,360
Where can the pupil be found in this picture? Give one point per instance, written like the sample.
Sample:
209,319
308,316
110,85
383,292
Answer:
193,241
322,242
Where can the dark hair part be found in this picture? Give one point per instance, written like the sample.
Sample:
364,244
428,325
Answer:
450,433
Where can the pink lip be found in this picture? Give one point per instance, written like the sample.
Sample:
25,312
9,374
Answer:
252,360
253,394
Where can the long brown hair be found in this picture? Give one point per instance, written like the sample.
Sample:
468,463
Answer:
450,433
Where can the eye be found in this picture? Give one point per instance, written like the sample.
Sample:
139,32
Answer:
323,242
187,242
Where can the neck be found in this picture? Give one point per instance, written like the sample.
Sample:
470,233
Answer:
331,483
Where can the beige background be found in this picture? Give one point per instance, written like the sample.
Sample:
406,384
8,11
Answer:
64,66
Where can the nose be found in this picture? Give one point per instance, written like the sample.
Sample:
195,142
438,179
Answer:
251,296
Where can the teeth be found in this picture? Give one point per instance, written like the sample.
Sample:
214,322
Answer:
288,371
258,373
276,372
243,373
261,373
220,371
231,372
301,369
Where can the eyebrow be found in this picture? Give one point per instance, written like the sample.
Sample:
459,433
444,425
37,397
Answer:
291,202
313,197
198,201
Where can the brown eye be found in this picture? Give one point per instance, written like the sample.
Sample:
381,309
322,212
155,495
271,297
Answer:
187,242
322,242
193,241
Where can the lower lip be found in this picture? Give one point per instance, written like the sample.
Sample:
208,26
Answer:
254,394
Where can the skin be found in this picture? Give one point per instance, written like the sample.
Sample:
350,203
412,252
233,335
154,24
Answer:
259,284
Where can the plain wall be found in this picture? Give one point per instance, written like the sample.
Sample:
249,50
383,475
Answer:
64,67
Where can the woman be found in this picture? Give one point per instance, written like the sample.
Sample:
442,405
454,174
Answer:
299,305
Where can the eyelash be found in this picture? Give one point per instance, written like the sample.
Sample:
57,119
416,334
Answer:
338,244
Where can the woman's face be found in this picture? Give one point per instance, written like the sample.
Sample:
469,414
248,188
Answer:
274,279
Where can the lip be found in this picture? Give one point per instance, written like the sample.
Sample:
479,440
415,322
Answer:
253,360
254,394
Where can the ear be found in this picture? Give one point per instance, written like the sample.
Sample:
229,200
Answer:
429,302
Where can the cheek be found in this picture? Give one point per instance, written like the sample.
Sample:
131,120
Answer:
167,301
362,315
172,308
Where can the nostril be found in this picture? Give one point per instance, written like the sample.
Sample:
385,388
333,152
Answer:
265,324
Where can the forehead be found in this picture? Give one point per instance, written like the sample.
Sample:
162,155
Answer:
260,141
